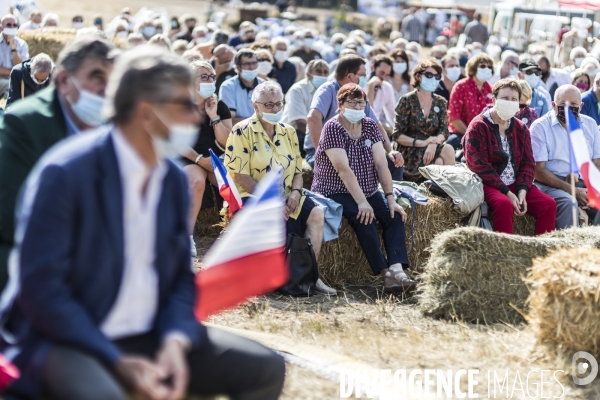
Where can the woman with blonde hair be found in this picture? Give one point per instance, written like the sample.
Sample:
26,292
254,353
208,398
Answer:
526,114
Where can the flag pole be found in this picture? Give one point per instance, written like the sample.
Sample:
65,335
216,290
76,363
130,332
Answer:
572,164
574,204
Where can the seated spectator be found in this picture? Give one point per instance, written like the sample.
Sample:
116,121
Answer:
214,130
346,51
50,20
179,47
306,52
400,76
222,62
576,57
526,114
350,164
199,36
530,72
158,27
187,23
552,78
350,69
581,80
29,77
240,38
498,149
451,74
131,333
218,38
469,97
299,98
77,22
590,66
135,39
121,30
248,38
507,68
175,28
380,92
551,150
98,23
35,21
438,52
13,51
146,29
590,101
274,144
236,92
284,72
422,123
161,41
265,64
335,47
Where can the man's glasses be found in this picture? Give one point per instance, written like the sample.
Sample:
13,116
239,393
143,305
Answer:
430,75
485,66
532,72
249,64
270,106
8,25
356,103
206,78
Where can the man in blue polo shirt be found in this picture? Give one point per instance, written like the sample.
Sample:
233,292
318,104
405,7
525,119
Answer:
590,101
236,92
350,69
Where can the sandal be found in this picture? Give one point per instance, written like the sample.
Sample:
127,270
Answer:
397,281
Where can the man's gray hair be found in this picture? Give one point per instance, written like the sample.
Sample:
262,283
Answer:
279,40
146,73
89,46
50,17
41,63
264,88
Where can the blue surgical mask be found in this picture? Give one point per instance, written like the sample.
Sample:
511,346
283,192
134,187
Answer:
532,80
362,82
337,48
149,31
318,81
308,42
400,68
207,90
272,118
88,107
249,75
429,84
353,116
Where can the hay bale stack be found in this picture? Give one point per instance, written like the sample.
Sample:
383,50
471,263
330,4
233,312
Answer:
47,40
477,275
307,174
209,222
565,302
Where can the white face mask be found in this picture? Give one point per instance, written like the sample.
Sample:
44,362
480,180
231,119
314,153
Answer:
10,31
514,71
532,80
88,107
453,73
34,79
506,109
400,68
264,68
578,61
484,74
281,55
181,138
412,65
122,34
272,118
77,25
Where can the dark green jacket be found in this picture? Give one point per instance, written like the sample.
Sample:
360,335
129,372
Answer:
28,129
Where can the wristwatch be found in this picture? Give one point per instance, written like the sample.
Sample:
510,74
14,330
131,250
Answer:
299,191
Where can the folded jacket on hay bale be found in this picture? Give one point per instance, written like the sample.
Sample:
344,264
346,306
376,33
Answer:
564,303
477,276
343,261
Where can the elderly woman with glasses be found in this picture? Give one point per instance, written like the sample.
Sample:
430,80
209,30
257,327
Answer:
214,130
350,164
469,97
262,143
422,122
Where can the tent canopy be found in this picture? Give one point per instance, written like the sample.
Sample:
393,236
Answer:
587,4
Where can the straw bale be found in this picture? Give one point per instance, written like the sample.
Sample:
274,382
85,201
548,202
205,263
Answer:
477,275
307,174
564,303
209,221
47,40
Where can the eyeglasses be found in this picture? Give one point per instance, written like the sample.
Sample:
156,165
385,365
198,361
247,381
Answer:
485,66
7,25
355,103
430,75
206,78
532,72
264,59
270,106
252,64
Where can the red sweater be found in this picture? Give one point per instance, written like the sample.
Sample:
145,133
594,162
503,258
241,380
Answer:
485,157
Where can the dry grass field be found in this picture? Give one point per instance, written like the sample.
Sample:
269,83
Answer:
363,324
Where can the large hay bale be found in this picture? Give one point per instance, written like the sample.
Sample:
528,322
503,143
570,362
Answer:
47,40
565,302
307,174
477,275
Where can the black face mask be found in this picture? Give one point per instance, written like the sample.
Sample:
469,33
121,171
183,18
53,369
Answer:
561,113
545,74
463,61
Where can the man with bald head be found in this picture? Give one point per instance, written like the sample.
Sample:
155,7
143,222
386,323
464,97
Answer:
551,150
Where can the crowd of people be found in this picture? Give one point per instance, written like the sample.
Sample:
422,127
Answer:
362,112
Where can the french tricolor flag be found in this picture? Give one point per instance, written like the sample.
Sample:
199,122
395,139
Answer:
227,188
581,161
248,260
8,372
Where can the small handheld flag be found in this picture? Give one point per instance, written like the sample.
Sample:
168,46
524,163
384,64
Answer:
8,372
581,157
227,188
248,260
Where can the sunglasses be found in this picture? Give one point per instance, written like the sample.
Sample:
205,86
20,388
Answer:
483,66
8,25
264,59
531,72
430,75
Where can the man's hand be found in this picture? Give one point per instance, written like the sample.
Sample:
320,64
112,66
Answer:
11,41
291,203
396,158
395,208
429,153
581,196
142,378
374,83
221,68
172,359
365,213
210,106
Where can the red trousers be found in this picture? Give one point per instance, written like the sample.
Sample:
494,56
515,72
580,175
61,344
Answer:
539,205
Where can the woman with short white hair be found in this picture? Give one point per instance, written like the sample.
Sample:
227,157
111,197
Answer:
262,143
